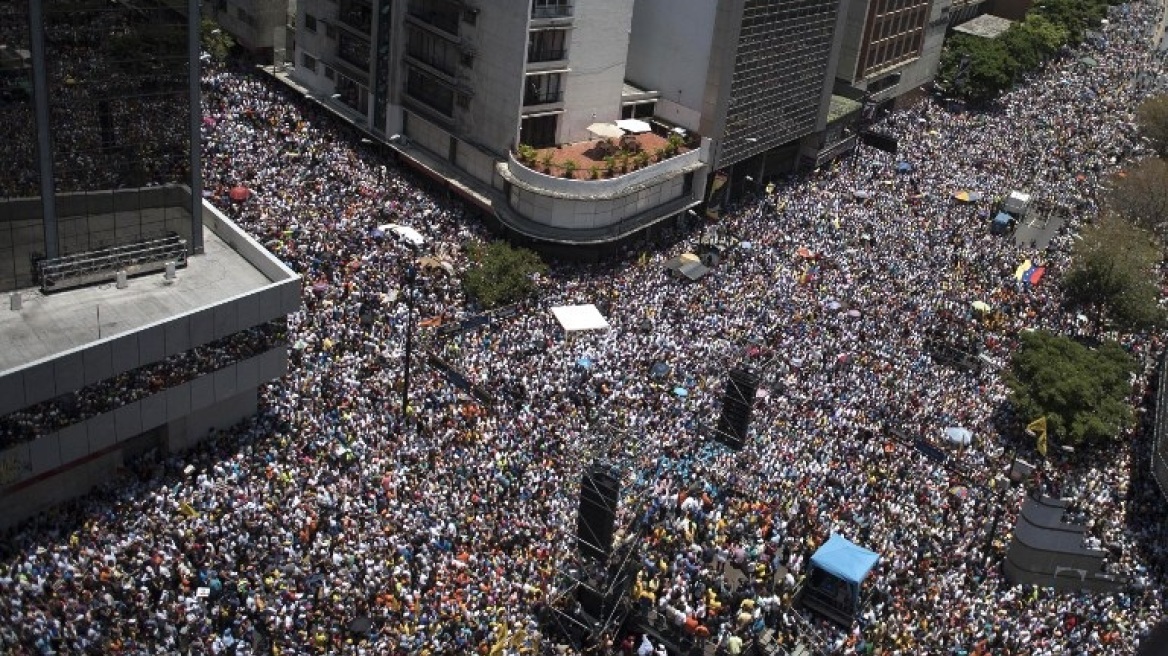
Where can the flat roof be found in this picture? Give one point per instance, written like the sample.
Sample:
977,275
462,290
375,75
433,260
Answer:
985,26
840,107
50,324
633,92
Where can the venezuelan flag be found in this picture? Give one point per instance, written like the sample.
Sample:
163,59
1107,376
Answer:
1020,272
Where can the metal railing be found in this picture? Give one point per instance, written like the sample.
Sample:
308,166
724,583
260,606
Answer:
544,98
142,256
447,22
545,54
551,10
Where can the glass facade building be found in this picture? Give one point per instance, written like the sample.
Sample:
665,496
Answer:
99,120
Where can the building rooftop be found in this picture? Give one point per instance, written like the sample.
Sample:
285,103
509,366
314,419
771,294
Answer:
985,26
48,325
840,107
632,92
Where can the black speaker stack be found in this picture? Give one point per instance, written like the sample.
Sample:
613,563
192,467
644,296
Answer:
737,407
599,492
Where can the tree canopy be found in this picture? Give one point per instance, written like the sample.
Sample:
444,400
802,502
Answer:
976,69
1152,116
1081,391
215,41
1140,195
1114,275
501,273
979,69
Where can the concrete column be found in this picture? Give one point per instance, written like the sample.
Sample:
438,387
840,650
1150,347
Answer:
40,94
195,123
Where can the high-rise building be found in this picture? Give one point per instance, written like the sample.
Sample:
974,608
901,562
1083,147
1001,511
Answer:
135,316
497,97
260,26
891,47
754,75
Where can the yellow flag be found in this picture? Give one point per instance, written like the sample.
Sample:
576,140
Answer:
501,643
644,258
186,509
1039,426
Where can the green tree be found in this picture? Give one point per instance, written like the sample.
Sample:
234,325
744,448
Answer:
1152,116
501,274
215,41
1047,35
1025,50
976,69
1114,276
1075,16
1140,195
1081,391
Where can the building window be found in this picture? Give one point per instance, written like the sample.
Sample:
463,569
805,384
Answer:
308,61
354,50
639,110
430,91
356,14
330,73
546,45
432,50
551,8
441,14
543,89
467,60
539,131
470,16
463,101
353,94
310,22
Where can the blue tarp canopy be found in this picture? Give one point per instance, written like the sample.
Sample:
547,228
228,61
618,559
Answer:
844,560
1002,218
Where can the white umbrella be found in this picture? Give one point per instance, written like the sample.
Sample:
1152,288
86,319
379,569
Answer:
606,130
959,435
634,125
405,232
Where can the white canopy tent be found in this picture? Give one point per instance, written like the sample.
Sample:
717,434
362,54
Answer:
580,318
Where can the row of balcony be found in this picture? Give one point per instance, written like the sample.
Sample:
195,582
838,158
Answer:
550,9
542,97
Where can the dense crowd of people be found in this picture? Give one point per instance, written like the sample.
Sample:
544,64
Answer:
112,393
338,521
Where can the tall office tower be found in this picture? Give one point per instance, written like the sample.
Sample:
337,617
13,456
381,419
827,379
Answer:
891,47
259,26
135,316
753,75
